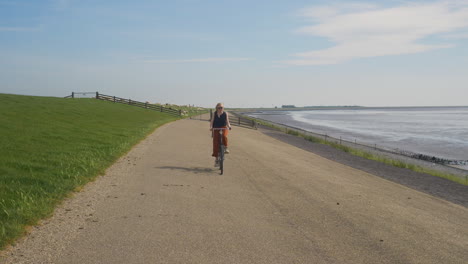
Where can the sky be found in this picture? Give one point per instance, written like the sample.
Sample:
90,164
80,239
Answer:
244,53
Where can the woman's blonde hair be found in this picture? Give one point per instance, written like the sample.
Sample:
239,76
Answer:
219,104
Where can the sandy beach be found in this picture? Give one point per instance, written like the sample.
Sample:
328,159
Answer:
281,200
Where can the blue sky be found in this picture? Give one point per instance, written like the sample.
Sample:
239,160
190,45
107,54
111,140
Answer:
242,53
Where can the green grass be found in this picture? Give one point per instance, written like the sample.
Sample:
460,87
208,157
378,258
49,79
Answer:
370,156
52,146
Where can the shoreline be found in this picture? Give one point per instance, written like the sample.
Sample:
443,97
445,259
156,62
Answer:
432,162
312,108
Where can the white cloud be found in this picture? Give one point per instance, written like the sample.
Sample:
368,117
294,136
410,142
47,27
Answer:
362,30
199,60
323,12
456,36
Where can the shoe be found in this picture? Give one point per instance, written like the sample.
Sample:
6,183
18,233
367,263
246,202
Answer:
216,163
226,151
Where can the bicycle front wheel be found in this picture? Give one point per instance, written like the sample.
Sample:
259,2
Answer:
221,159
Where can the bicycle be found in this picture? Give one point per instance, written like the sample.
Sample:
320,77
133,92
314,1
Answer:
222,148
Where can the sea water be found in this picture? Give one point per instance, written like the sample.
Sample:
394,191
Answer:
434,131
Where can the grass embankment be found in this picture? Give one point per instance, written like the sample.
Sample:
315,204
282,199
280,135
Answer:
52,146
370,156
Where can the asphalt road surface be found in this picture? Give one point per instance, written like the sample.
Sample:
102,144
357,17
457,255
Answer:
164,202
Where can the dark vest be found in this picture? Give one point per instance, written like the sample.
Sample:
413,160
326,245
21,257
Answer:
219,121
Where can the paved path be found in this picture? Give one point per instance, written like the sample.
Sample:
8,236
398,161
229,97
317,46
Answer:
165,203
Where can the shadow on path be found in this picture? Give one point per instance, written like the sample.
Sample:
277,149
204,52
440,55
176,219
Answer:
195,170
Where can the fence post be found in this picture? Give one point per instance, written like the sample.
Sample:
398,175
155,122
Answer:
114,99
97,95
73,94
129,101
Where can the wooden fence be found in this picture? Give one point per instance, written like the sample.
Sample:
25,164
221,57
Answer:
145,105
238,120
235,119
131,102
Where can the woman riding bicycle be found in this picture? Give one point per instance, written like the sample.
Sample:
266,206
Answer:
220,120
